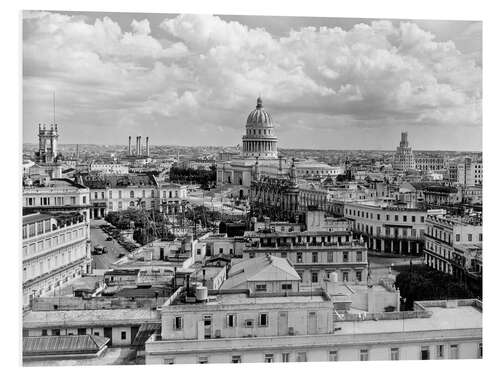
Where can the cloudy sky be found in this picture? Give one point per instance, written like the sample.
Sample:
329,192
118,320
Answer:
192,79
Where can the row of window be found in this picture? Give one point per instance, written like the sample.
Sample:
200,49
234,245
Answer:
299,257
333,355
52,262
345,276
370,215
53,201
132,194
53,241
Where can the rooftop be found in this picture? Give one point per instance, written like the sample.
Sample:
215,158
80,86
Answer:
52,345
75,318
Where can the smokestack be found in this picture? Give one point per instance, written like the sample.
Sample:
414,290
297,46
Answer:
139,152
129,145
136,146
147,146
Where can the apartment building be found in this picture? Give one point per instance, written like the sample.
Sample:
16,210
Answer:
304,327
58,194
314,254
55,249
386,228
454,245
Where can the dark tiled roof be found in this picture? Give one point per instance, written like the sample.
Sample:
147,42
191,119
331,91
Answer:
50,345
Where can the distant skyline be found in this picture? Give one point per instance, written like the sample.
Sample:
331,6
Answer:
329,83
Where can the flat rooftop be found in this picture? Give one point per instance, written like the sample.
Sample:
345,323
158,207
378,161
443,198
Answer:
74,318
442,318
241,298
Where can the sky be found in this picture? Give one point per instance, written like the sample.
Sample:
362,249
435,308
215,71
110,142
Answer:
328,83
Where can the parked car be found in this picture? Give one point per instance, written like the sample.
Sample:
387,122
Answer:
98,249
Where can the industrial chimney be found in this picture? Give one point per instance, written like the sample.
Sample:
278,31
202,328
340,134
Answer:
136,146
139,146
129,145
147,146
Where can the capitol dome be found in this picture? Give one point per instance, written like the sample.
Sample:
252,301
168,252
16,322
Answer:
259,139
259,117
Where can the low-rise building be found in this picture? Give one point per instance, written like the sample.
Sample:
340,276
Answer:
307,327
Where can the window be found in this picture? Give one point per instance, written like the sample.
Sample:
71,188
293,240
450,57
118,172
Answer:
261,287
263,320
301,357
454,351
236,359
480,237
221,250
268,358
110,194
480,350
168,361
440,351
124,335
332,356
345,256
469,237
285,357
56,332
359,256
413,219
131,194
202,360
396,218
315,257
283,254
457,237
251,255
363,355
394,354
345,276
404,218
44,332
249,323
359,275
231,320
299,257
422,219
329,257
424,353
387,217
178,323
286,286
314,277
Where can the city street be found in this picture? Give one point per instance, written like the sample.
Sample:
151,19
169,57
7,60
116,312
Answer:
98,237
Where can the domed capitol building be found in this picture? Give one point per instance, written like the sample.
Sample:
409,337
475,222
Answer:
260,148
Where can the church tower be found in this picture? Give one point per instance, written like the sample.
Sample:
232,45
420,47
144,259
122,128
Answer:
47,143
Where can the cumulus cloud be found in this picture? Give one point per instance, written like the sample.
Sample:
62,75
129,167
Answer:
200,69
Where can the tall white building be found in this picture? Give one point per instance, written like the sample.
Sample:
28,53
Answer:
55,250
403,159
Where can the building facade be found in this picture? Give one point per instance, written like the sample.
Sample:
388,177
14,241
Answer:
304,328
453,245
55,249
388,229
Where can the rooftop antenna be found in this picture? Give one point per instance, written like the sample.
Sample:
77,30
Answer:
54,106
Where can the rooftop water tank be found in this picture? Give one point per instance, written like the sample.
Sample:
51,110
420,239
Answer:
201,293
